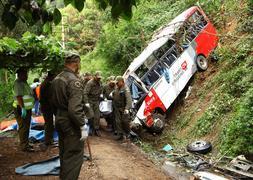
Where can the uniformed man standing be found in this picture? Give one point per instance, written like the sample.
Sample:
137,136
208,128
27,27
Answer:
23,104
122,103
92,94
46,107
70,119
107,89
86,77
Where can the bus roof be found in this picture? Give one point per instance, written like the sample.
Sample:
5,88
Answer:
160,38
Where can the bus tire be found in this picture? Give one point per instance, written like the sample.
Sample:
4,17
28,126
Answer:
202,63
201,147
158,125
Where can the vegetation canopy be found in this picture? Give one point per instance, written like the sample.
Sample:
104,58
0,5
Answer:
46,12
30,51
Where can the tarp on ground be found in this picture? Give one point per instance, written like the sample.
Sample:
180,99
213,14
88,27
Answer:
47,167
34,135
12,124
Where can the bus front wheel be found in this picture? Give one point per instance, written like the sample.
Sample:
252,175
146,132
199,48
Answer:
202,63
158,125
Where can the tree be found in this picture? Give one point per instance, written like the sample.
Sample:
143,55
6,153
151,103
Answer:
31,11
30,51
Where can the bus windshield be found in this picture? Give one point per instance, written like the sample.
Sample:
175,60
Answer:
135,88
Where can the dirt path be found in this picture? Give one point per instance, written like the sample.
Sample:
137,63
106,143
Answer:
114,160
111,160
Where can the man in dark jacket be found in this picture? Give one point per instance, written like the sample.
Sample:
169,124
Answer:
46,107
92,94
122,103
108,88
70,119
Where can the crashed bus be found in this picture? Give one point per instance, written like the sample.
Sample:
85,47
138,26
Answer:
158,75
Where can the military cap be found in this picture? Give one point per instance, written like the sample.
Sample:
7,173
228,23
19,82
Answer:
98,74
87,74
111,78
71,57
119,78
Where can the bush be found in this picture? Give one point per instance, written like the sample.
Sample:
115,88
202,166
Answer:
6,95
237,133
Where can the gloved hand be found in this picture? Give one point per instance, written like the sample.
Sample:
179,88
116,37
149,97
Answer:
101,97
111,94
23,113
87,105
126,111
86,120
84,132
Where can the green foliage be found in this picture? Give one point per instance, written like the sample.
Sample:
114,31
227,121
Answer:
237,134
81,30
6,95
30,51
38,11
120,43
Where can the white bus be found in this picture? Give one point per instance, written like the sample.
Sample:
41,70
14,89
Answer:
158,75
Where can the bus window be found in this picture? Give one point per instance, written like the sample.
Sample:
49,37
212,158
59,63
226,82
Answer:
136,91
170,56
150,78
150,61
199,21
164,49
141,70
148,64
162,70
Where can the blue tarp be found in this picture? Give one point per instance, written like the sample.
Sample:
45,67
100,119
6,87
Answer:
34,135
47,167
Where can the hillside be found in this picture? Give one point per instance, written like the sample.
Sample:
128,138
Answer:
219,107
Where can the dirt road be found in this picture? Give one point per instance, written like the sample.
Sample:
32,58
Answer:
114,160
111,160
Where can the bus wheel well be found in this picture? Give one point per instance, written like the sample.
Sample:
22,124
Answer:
159,111
201,62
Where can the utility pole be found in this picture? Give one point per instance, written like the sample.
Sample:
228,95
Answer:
62,33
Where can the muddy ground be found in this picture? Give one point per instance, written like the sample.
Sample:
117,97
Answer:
111,160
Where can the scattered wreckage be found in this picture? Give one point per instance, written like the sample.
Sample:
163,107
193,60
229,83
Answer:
195,165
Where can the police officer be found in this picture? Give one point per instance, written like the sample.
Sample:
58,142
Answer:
122,103
23,104
46,107
86,77
92,94
107,89
68,104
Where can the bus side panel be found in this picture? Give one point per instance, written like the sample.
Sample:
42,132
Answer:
206,40
180,73
166,92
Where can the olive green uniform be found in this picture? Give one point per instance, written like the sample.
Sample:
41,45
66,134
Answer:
122,101
21,89
107,89
68,104
92,92
84,82
46,109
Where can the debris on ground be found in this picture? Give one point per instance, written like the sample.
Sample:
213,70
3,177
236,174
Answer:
201,147
167,148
